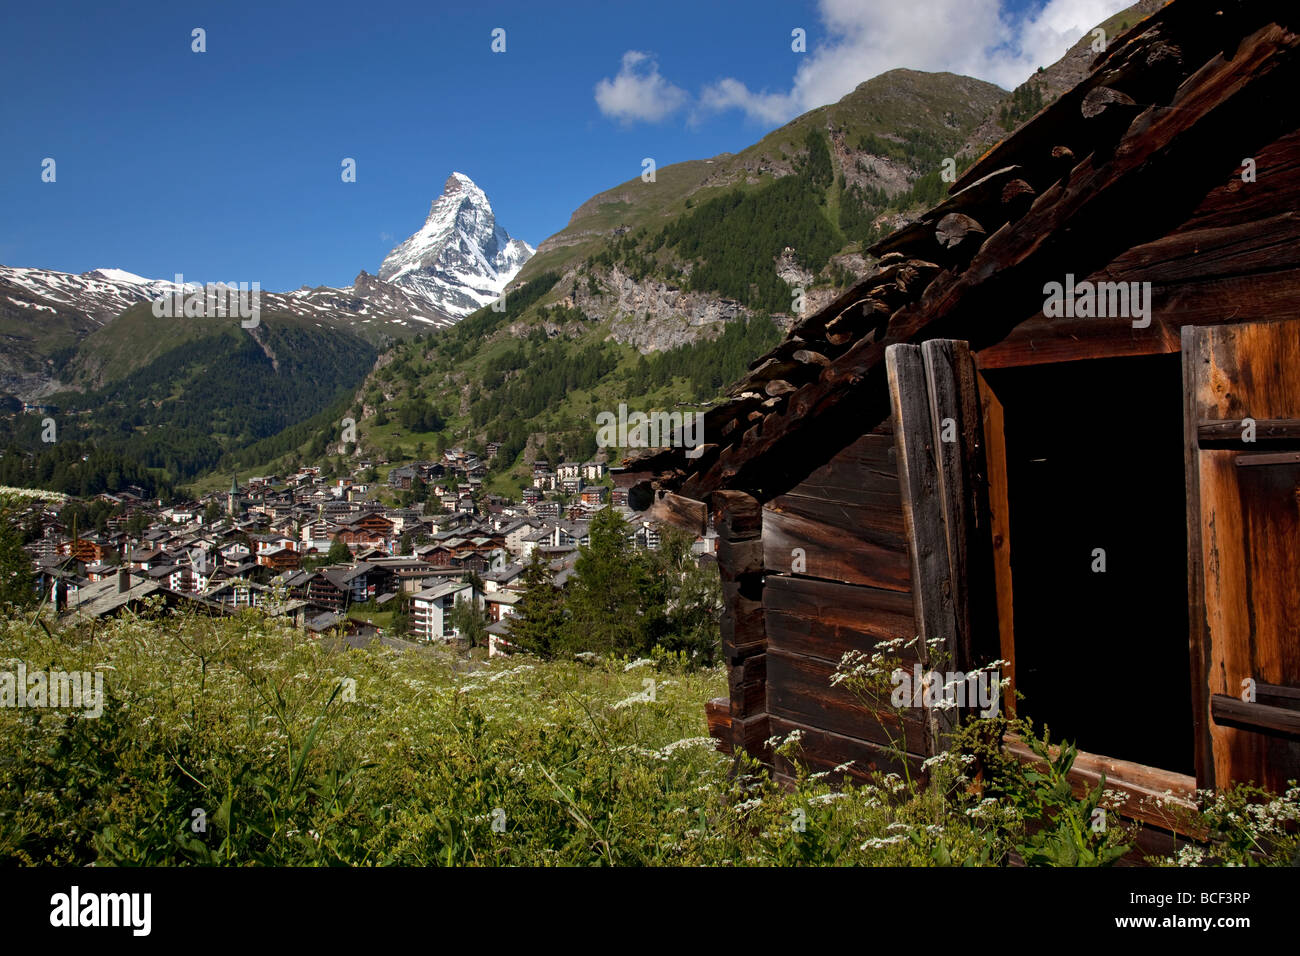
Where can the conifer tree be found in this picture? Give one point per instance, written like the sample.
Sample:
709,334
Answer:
539,621
612,590
17,586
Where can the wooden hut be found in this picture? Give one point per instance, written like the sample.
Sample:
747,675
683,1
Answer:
984,445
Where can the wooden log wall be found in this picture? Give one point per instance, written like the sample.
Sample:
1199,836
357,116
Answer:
738,519
838,579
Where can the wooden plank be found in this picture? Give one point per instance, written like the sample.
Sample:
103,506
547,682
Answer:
959,444
919,482
1154,796
739,557
741,627
747,683
825,619
1195,353
797,635
750,735
995,456
869,464
1249,531
681,511
717,716
875,517
1280,458
1193,253
1274,690
737,515
1233,430
1039,341
1254,716
831,553
799,688
1231,204
822,750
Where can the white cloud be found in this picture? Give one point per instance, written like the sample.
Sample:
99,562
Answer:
639,91
864,38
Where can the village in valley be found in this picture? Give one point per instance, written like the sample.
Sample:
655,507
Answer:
329,555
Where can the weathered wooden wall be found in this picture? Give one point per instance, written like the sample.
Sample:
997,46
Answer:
838,579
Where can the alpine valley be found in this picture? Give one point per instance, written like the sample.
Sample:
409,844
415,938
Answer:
655,294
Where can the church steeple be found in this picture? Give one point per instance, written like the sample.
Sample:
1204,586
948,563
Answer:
232,497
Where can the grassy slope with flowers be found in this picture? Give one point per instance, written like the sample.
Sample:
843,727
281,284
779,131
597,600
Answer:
242,725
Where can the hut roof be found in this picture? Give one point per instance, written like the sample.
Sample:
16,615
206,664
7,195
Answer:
1118,176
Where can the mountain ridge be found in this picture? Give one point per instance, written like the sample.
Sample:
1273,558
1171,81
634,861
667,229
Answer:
67,350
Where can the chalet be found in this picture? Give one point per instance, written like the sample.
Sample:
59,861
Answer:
498,639
142,559
371,580
593,470
594,495
475,561
402,477
513,534
266,543
438,554
98,572
87,550
234,554
1058,427
500,604
327,589
280,559
318,534
507,577
404,519
238,593
646,535
366,530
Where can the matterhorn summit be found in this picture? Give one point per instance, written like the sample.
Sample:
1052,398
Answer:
461,259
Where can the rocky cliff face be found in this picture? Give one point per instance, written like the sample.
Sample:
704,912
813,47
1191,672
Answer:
652,315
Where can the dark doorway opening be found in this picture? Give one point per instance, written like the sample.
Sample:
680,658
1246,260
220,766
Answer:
1095,461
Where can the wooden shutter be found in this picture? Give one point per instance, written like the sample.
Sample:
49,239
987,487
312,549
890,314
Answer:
942,476
1243,500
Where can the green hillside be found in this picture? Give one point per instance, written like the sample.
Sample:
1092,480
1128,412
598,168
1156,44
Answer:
894,116
204,391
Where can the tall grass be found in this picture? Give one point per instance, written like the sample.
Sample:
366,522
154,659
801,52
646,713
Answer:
241,742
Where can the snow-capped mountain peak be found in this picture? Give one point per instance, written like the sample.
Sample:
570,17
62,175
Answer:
460,259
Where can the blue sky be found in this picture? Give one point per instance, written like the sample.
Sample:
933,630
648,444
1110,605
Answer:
225,165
